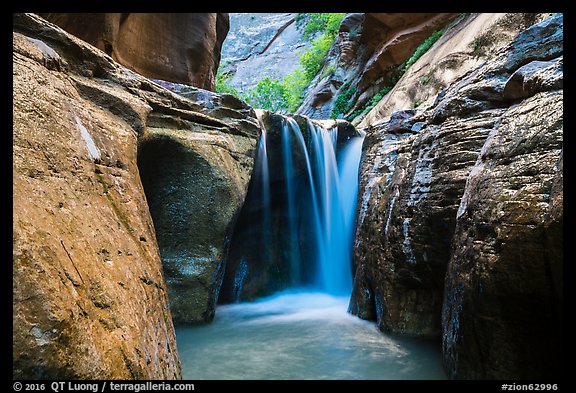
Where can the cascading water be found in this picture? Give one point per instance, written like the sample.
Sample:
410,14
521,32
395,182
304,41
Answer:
294,239
333,212
337,183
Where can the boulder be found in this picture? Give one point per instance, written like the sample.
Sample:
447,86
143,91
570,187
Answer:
195,160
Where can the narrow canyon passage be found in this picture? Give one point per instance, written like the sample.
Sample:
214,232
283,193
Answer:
301,206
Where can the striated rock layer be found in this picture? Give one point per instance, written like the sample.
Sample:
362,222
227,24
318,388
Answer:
181,48
458,207
90,298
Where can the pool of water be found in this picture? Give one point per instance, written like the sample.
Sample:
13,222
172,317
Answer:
298,335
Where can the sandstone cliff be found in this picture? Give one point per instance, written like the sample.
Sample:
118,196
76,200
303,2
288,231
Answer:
181,48
90,298
369,50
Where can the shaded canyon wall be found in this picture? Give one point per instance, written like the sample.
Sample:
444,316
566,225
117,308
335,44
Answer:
180,48
458,207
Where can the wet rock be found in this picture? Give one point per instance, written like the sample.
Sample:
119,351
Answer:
534,77
195,166
410,188
454,221
500,315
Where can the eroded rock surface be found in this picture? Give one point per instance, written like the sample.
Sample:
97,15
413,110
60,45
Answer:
366,54
261,45
467,43
90,301
458,206
181,48
90,298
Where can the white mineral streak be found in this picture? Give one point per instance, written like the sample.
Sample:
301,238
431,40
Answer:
93,151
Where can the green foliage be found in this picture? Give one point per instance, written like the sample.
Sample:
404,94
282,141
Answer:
328,70
370,104
268,94
475,44
425,79
223,83
417,103
286,95
422,49
342,103
312,60
314,23
294,85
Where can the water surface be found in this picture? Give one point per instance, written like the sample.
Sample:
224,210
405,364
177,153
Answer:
299,335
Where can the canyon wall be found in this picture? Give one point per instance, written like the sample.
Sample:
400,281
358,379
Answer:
94,144
458,207
180,48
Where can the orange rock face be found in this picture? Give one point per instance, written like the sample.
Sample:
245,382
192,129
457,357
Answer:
181,48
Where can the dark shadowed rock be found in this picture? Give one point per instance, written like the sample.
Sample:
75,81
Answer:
459,225
195,164
500,319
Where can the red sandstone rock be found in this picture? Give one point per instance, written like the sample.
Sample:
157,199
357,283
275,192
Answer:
181,48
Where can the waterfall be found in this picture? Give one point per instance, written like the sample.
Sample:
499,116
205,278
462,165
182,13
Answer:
301,207
336,176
